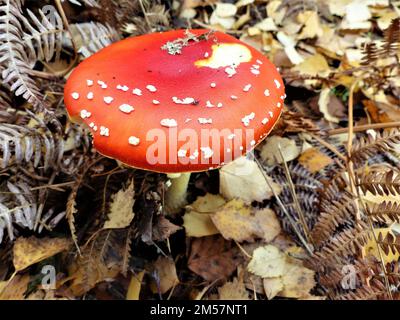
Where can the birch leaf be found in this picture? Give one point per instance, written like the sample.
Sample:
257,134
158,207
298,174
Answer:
121,212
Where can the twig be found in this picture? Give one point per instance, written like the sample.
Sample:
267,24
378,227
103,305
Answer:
355,190
145,15
365,127
294,196
282,206
328,146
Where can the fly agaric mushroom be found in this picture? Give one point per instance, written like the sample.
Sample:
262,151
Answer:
176,102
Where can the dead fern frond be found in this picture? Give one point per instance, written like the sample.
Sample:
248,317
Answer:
334,214
345,244
45,35
370,54
23,43
375,291
15,62
22,206
21,144
380,183
92,37
369,146
391,44
381,212
90,3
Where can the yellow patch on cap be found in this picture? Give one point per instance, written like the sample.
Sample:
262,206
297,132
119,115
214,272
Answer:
226,55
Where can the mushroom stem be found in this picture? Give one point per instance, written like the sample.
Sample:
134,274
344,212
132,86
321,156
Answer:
175,197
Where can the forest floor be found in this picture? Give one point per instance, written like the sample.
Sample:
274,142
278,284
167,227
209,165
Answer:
316,219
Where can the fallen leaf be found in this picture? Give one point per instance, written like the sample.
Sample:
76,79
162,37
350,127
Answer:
213,258
234,290
270,151
165,271
121,212
282,275
243,179
289,47
323,104
266,24
240,222
267,262
314,160
357,15
197,219
223,15
272,287
315,65
28,251
297,281
163,228
15,289
312,26
102,258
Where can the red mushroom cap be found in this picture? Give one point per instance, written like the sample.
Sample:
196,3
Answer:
164,103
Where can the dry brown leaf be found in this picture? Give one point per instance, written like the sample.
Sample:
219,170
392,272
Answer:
213,258
28,251
15,289
102,258
167,278
121,212
234,290
314,160
163,228
237,221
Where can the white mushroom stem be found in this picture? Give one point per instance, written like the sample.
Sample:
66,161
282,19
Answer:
175,197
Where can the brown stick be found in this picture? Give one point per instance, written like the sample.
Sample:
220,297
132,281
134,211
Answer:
365,127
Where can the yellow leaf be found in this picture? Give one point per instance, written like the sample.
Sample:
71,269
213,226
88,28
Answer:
313,66
282,275
134,286
272,287
15,289
297,281
197,219
267,262
166,274
312,26
121,212
240,222
28,251
235,290
314,160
